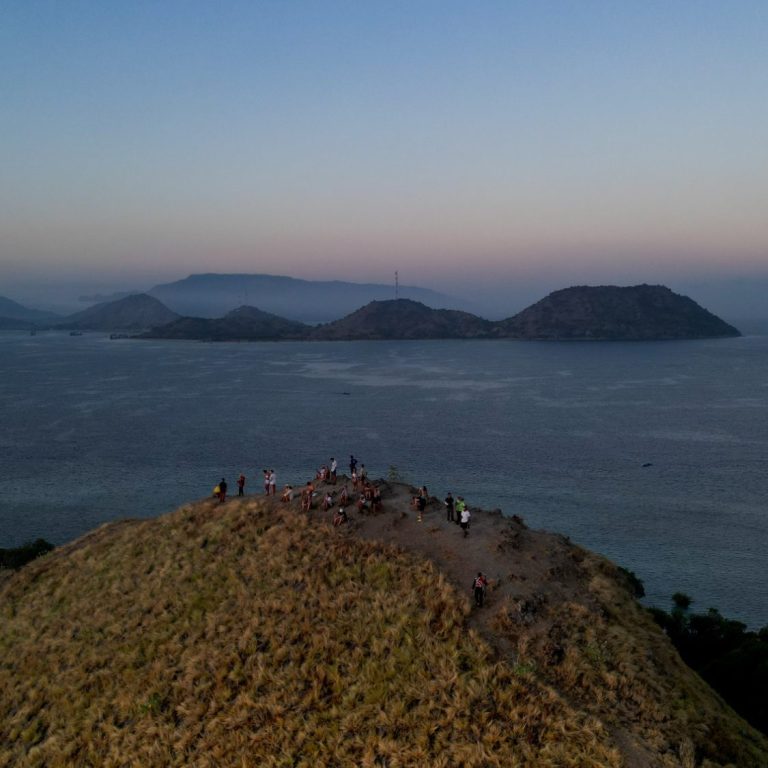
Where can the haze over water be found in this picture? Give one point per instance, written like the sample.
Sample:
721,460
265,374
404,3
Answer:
96,430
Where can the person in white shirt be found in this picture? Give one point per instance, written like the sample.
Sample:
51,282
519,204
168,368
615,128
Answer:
464,523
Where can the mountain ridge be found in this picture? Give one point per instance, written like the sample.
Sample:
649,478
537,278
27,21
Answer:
214,294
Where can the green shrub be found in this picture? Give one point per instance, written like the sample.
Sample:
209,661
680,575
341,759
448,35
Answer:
18,556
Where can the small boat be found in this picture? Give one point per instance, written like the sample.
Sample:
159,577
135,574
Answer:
75,333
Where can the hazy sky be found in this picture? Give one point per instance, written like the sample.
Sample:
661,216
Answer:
497,146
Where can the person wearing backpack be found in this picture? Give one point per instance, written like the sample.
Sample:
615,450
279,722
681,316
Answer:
479,584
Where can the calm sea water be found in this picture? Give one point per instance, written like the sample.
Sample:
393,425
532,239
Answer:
94,430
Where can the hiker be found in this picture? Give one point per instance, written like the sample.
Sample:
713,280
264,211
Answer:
241,485
421,504
222,490
334,467
449,507
272,482
460,506
464,523
479,584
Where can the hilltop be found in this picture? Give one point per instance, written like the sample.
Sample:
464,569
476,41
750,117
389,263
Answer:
613,313
250,633
404,319
134,312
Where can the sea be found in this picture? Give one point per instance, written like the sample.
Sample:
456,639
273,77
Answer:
653,454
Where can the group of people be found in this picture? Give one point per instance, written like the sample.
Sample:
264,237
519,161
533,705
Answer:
456,511
369,497
270,485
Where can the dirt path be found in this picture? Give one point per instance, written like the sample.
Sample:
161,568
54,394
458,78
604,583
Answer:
524,567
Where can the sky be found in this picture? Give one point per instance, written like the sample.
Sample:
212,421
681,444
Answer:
486,149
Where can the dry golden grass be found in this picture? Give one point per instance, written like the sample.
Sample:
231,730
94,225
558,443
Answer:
606,654
241,636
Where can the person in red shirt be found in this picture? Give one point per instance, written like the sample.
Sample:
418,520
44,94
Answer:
479,583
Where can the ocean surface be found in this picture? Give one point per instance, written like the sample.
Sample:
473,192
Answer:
93,430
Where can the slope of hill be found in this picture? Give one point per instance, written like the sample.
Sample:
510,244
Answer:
311,301
634,313
250,633
404,319
12,310
135,312
242,324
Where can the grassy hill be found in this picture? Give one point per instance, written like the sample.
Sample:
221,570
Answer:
251,634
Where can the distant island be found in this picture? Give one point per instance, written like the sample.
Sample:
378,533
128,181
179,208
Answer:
612,313
580,313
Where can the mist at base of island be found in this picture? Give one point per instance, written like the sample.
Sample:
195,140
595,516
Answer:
650,453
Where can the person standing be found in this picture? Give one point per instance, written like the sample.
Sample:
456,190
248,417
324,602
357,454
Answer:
421,505
222,490
272,482
363,474
306,496
478,587
352,464
460,507
449,507
334,467
266,481
464,523
241,485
